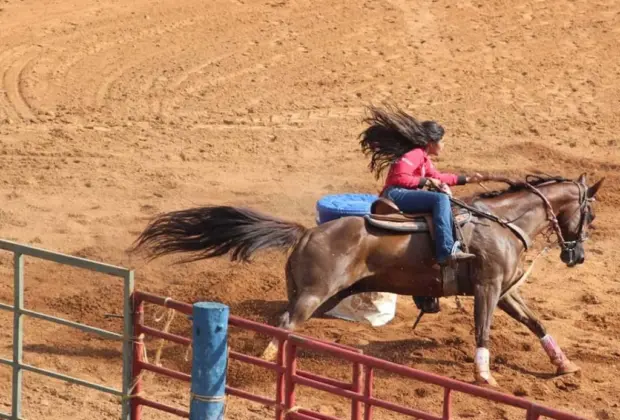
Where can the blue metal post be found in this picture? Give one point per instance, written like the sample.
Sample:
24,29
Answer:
209,361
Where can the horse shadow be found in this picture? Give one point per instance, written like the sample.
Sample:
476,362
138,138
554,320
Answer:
523,371
396,351
267,311
403,352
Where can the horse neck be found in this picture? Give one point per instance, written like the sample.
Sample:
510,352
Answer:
528,211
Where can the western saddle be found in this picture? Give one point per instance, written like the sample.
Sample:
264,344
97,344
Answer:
385,214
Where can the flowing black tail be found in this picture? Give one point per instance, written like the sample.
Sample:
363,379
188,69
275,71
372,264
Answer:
215,231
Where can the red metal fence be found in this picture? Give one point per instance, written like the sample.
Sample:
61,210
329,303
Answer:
359,390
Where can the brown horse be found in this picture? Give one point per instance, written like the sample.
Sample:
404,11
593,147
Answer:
361,254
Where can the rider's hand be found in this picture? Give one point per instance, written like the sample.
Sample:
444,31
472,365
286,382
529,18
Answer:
475,178
440,186
435,182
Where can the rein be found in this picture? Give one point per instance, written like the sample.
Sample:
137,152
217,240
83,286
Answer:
524,237
568,246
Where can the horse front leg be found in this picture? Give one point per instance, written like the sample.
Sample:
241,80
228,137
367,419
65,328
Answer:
514,305
486,297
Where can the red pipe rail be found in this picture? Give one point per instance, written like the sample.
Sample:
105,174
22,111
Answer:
139,365
359,390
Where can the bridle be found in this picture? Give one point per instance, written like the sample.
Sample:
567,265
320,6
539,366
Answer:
566,246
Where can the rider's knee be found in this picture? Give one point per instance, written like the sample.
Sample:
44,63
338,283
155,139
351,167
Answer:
442,199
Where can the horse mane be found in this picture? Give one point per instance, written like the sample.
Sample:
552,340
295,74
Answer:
530,180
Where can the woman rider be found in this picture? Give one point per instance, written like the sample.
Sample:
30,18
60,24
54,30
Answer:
398,141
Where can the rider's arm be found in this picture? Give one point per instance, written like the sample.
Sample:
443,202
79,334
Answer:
446,178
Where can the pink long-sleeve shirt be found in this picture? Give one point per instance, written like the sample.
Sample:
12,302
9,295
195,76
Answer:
414,168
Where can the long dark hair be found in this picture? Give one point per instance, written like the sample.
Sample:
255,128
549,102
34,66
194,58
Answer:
392,133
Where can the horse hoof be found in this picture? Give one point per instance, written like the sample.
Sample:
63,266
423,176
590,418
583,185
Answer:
567,367
489,381
270,353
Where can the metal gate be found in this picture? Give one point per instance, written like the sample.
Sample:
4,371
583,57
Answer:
288,377
19,251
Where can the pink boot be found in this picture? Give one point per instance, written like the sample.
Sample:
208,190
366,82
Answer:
557,356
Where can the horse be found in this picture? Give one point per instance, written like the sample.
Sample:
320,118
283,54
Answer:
388,251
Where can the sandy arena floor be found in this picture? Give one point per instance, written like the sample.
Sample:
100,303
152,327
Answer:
113,111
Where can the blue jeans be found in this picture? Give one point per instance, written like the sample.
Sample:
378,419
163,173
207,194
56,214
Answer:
421,201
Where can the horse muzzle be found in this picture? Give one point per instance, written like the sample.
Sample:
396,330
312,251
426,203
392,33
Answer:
573,256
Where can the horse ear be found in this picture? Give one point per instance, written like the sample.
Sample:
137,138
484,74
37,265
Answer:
582,178
594,188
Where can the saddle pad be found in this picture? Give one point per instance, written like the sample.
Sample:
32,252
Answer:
399,223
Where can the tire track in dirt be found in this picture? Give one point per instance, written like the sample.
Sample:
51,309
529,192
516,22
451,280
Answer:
264,64
67,53
166,103
98,99
6,110
161,101
294,119
59,44
179,80
161,107
18,59
104,87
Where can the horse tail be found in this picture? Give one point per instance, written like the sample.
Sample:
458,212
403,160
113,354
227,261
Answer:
214,231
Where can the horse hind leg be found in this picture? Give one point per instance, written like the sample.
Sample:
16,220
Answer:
299,311
514,306
271,351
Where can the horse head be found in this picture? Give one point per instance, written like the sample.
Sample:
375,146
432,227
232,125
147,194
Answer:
574,219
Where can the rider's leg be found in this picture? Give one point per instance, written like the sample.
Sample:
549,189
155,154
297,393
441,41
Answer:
420,201
446,254
442,219
444,230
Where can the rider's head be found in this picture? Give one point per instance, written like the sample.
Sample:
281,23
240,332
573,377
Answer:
434,134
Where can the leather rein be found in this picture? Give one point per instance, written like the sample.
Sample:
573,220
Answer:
568,246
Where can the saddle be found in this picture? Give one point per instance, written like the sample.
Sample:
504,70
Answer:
385,214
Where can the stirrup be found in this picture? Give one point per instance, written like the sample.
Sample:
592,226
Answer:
460,255
457,253
427,304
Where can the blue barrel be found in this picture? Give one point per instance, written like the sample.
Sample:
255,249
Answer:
335,206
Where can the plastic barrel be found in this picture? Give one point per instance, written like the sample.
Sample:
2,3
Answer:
375,308
335,206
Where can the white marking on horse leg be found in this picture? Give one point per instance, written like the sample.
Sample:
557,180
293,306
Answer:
271,351
482,367
481,360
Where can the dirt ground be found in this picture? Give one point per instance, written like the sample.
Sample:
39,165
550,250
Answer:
113,111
